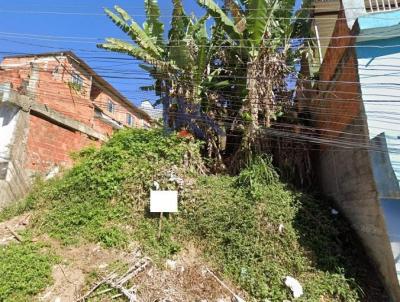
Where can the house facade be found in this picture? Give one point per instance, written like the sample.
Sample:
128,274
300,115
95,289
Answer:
352,99
52,104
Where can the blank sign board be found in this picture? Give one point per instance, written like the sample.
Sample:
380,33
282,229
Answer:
163,201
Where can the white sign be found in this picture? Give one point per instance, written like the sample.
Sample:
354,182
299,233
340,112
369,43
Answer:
163,201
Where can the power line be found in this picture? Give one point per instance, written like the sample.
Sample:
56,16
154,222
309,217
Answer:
396,34
87,102
200,45
75,13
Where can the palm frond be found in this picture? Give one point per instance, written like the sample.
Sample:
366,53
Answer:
179,22
237,14
135,32
139,53
200,36
220,18
152,26
178,49
260,19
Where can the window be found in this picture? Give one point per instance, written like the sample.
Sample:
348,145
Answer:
129,119
77,80
56,70
110,106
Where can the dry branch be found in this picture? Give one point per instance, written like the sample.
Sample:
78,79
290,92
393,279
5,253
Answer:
14,234
117,282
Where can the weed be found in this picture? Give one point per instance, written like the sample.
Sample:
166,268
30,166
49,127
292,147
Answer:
239,232
235,221
87,201
258,174
25,270
146,233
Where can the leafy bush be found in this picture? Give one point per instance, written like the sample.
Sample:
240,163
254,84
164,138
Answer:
258,174
235,221
25,270
240,234
109,188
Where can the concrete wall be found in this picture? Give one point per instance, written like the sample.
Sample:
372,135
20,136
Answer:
14,181
391,209
8,123
347,173
36,140
379,81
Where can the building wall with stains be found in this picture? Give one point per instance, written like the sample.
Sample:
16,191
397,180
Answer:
49,108
347,163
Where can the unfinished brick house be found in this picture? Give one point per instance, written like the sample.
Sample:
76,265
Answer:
351,101
52,104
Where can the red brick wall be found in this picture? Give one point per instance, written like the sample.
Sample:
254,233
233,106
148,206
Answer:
342,37
121,110
56,93
102,127
14,77
49,144
336,101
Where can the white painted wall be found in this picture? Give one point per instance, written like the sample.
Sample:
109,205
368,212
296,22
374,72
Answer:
8,121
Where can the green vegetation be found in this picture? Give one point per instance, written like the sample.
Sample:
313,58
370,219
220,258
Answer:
25,270
107,188
75,86
234,68
234,221
241,235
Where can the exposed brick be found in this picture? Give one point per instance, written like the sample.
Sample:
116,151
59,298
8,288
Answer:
49,78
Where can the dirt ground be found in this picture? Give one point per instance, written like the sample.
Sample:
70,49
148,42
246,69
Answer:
77,263
184,278
14,225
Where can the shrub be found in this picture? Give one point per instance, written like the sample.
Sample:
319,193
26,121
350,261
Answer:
25,270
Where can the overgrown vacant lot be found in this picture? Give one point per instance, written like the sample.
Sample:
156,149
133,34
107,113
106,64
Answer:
251,229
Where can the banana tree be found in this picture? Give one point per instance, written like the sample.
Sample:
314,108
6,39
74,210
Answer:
259,33
183,67
148,42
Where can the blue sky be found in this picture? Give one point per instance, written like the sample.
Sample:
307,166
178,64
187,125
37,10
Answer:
34,26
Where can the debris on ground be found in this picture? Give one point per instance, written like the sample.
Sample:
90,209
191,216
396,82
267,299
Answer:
120,282
294,286
9,229
174,178
281,228
53,172
235,297
89,217
156,185
142,281
170,264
